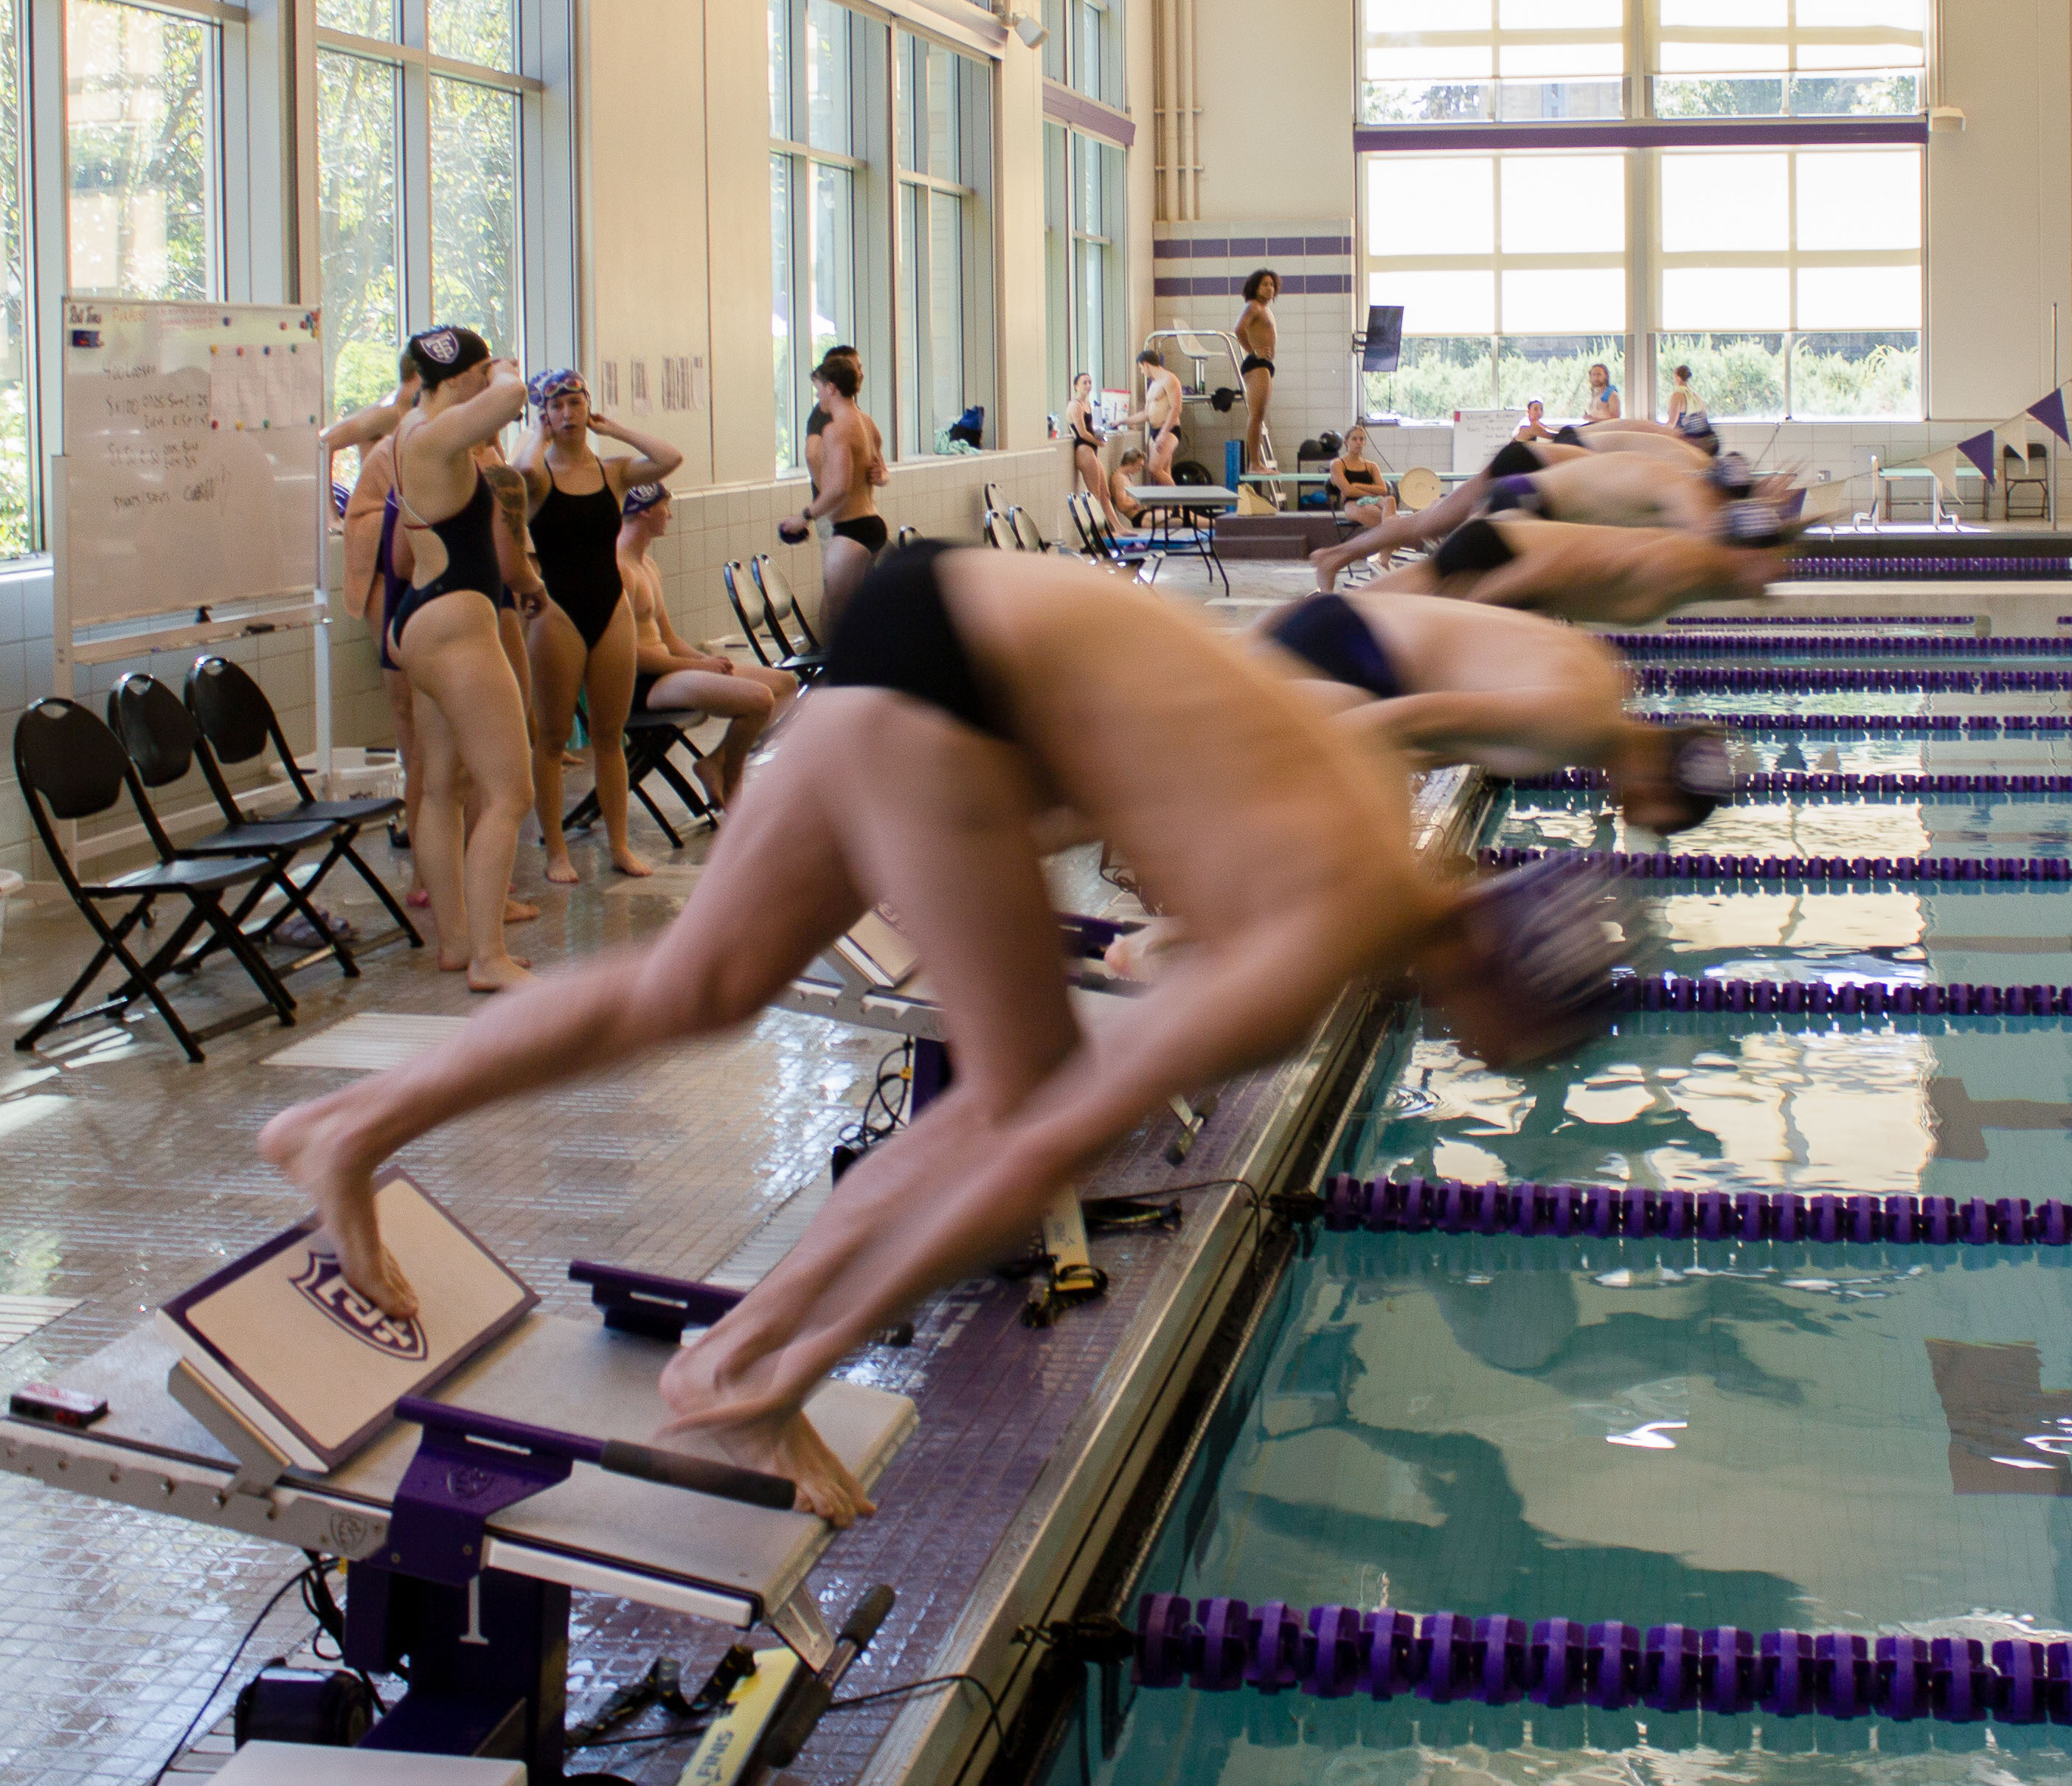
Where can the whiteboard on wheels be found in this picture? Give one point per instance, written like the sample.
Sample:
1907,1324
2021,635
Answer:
1478,434
190,454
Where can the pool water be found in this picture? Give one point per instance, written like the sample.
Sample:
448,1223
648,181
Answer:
1775,1435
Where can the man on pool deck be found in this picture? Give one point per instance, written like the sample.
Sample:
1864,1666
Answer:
1630,575
1259,337
967,695
1443,681
852,467
1160,416
1618,487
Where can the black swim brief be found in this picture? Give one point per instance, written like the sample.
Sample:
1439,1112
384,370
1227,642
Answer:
1514,459
643,685
1326,630
1253,362
1476,546
868,531
896,633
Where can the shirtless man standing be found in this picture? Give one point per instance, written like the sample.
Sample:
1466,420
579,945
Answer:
1259,337
852,468
670,675
1160,416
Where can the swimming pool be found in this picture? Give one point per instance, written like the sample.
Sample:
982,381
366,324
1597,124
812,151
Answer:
1770,1435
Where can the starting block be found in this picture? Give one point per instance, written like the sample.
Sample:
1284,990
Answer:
467,1519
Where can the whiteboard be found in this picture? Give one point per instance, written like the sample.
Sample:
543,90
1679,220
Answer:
190,454
1478,433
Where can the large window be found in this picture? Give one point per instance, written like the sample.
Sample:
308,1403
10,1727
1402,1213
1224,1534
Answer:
421,112
143,124
1512,283
820,67
1790,279
1432,61
1084,49
941,111
1804,58
881,221
1083,193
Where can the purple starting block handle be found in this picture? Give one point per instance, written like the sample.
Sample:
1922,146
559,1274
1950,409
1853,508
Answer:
645,1303
488,1438
1090,937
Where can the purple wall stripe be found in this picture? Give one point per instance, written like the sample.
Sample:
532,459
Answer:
1089,115
1312,285
1217,248
1644,133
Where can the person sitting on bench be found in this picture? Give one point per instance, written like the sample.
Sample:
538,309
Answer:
1441,682
1356,483
669,675
966,694
1128,469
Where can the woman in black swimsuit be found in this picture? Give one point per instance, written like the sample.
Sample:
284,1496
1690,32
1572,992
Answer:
583,639
1357,481
465,703
1087,443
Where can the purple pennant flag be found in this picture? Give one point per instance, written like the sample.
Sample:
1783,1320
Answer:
1979,449
2050,412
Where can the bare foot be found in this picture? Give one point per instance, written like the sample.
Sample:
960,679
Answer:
517,911
784,1443
711,779
498,976
628,863
313,1144
417,897
570,760
452,963
1327,574
561,871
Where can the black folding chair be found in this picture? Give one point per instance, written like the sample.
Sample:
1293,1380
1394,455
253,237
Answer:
908,536
237,722
1148,553
159,735
650,738
1000,531
70,765
772,648
1027,534
780,606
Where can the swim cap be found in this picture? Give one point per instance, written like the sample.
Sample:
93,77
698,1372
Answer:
644,496
542,388
1550,936
1756,523
341,496
1701,771
1732,475
1519,492
446,351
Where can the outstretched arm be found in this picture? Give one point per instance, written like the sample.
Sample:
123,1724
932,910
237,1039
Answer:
483,416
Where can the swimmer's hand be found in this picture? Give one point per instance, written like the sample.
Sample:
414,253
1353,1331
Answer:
311,1144
1143,954
793,530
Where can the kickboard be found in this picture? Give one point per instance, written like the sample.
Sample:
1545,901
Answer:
280,1337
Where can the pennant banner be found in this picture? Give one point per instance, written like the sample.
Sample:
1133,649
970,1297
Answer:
1944,465
2050,412
1979,449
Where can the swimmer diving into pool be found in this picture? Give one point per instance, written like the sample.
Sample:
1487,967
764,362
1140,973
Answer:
1442,682
967,695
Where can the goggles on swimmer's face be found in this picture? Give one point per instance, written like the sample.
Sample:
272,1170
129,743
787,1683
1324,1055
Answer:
543,388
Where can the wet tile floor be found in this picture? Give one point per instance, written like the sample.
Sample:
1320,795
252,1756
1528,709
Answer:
130,1174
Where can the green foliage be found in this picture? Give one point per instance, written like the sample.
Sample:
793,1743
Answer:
1440,373
1740,377
1855,377
1800,95
14,537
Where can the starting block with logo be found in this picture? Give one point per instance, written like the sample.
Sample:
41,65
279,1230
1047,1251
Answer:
472,1465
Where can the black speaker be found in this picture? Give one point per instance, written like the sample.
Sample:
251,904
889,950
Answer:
286,1705
1384,338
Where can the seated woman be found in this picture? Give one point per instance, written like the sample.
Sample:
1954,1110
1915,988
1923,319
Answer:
1128,469
1356,481
1534,426
669,675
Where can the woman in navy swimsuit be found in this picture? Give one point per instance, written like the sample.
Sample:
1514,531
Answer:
582,639
469,715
